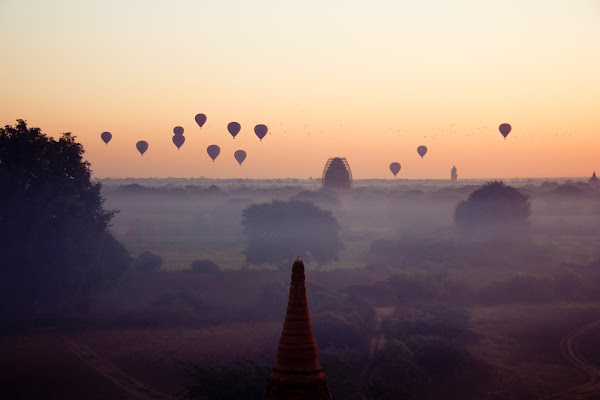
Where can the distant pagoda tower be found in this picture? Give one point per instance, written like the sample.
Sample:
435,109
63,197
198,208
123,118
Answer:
297,374
453,175
594,181
337,174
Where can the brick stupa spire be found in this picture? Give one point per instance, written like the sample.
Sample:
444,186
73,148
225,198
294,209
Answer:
297,374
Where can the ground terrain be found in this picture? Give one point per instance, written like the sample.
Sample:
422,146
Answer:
140,333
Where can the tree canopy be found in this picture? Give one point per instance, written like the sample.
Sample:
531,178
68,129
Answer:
494,210
56,246
280,231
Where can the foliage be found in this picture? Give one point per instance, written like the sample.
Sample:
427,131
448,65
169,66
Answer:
495,209
425,252
398,374
204,266
332,329
431,320
180,300
343,367
243,380
434,354
272,299
280,231
147,262
341,320
57,250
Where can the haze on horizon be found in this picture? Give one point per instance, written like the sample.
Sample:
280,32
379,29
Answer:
368,81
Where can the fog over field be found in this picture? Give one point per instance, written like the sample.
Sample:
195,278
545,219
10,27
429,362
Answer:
489,310
409,296
299,200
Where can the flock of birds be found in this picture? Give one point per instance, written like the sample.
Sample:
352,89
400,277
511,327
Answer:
213,150
422,150
260,130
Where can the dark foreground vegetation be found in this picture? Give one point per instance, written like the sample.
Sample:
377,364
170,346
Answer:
415,290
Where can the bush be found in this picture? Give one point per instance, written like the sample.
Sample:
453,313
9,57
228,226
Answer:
242,380
272,300
397,374
147,262
280,231
341,320
495,210
204,266
422,320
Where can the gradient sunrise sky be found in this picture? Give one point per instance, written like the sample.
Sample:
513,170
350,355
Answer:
368,80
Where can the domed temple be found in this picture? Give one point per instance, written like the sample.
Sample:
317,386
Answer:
297,374
336,174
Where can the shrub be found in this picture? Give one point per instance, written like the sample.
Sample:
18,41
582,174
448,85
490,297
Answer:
147,262
495,210
280,231
204,266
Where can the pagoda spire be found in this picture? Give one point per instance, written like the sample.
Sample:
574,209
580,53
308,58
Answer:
297,374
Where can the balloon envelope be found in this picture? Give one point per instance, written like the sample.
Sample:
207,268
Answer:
395,168
234,128
505,129
142,146
261,130
178,140
200,119
240,156
178,130
106,136
213,151
422,150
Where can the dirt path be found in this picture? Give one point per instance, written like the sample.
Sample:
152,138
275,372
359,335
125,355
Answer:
375,344
570,349
118,377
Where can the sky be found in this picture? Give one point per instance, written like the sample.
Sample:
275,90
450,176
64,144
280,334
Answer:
365,80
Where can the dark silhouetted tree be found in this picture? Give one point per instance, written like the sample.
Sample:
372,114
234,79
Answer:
242,380
56,249
495,210
204,266
147,262
280,231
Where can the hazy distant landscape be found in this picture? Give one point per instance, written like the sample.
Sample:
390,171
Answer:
492,313
335,200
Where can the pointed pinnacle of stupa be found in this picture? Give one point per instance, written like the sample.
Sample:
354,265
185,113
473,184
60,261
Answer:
297,349
297,374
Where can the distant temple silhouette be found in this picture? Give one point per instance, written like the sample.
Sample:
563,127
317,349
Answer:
297,374
337,174
454,174
594,181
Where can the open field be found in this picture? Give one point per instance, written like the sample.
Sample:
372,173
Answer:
522,298
524,342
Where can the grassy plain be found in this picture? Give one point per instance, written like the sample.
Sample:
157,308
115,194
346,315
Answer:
151,322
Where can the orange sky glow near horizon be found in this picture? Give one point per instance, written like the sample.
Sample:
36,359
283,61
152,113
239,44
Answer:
369,81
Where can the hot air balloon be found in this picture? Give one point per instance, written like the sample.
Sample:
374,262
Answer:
200,119
422,150
240,156
106,136
178,130
395,168
213,151
142,146
234,128
505,129
261,131
178,140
